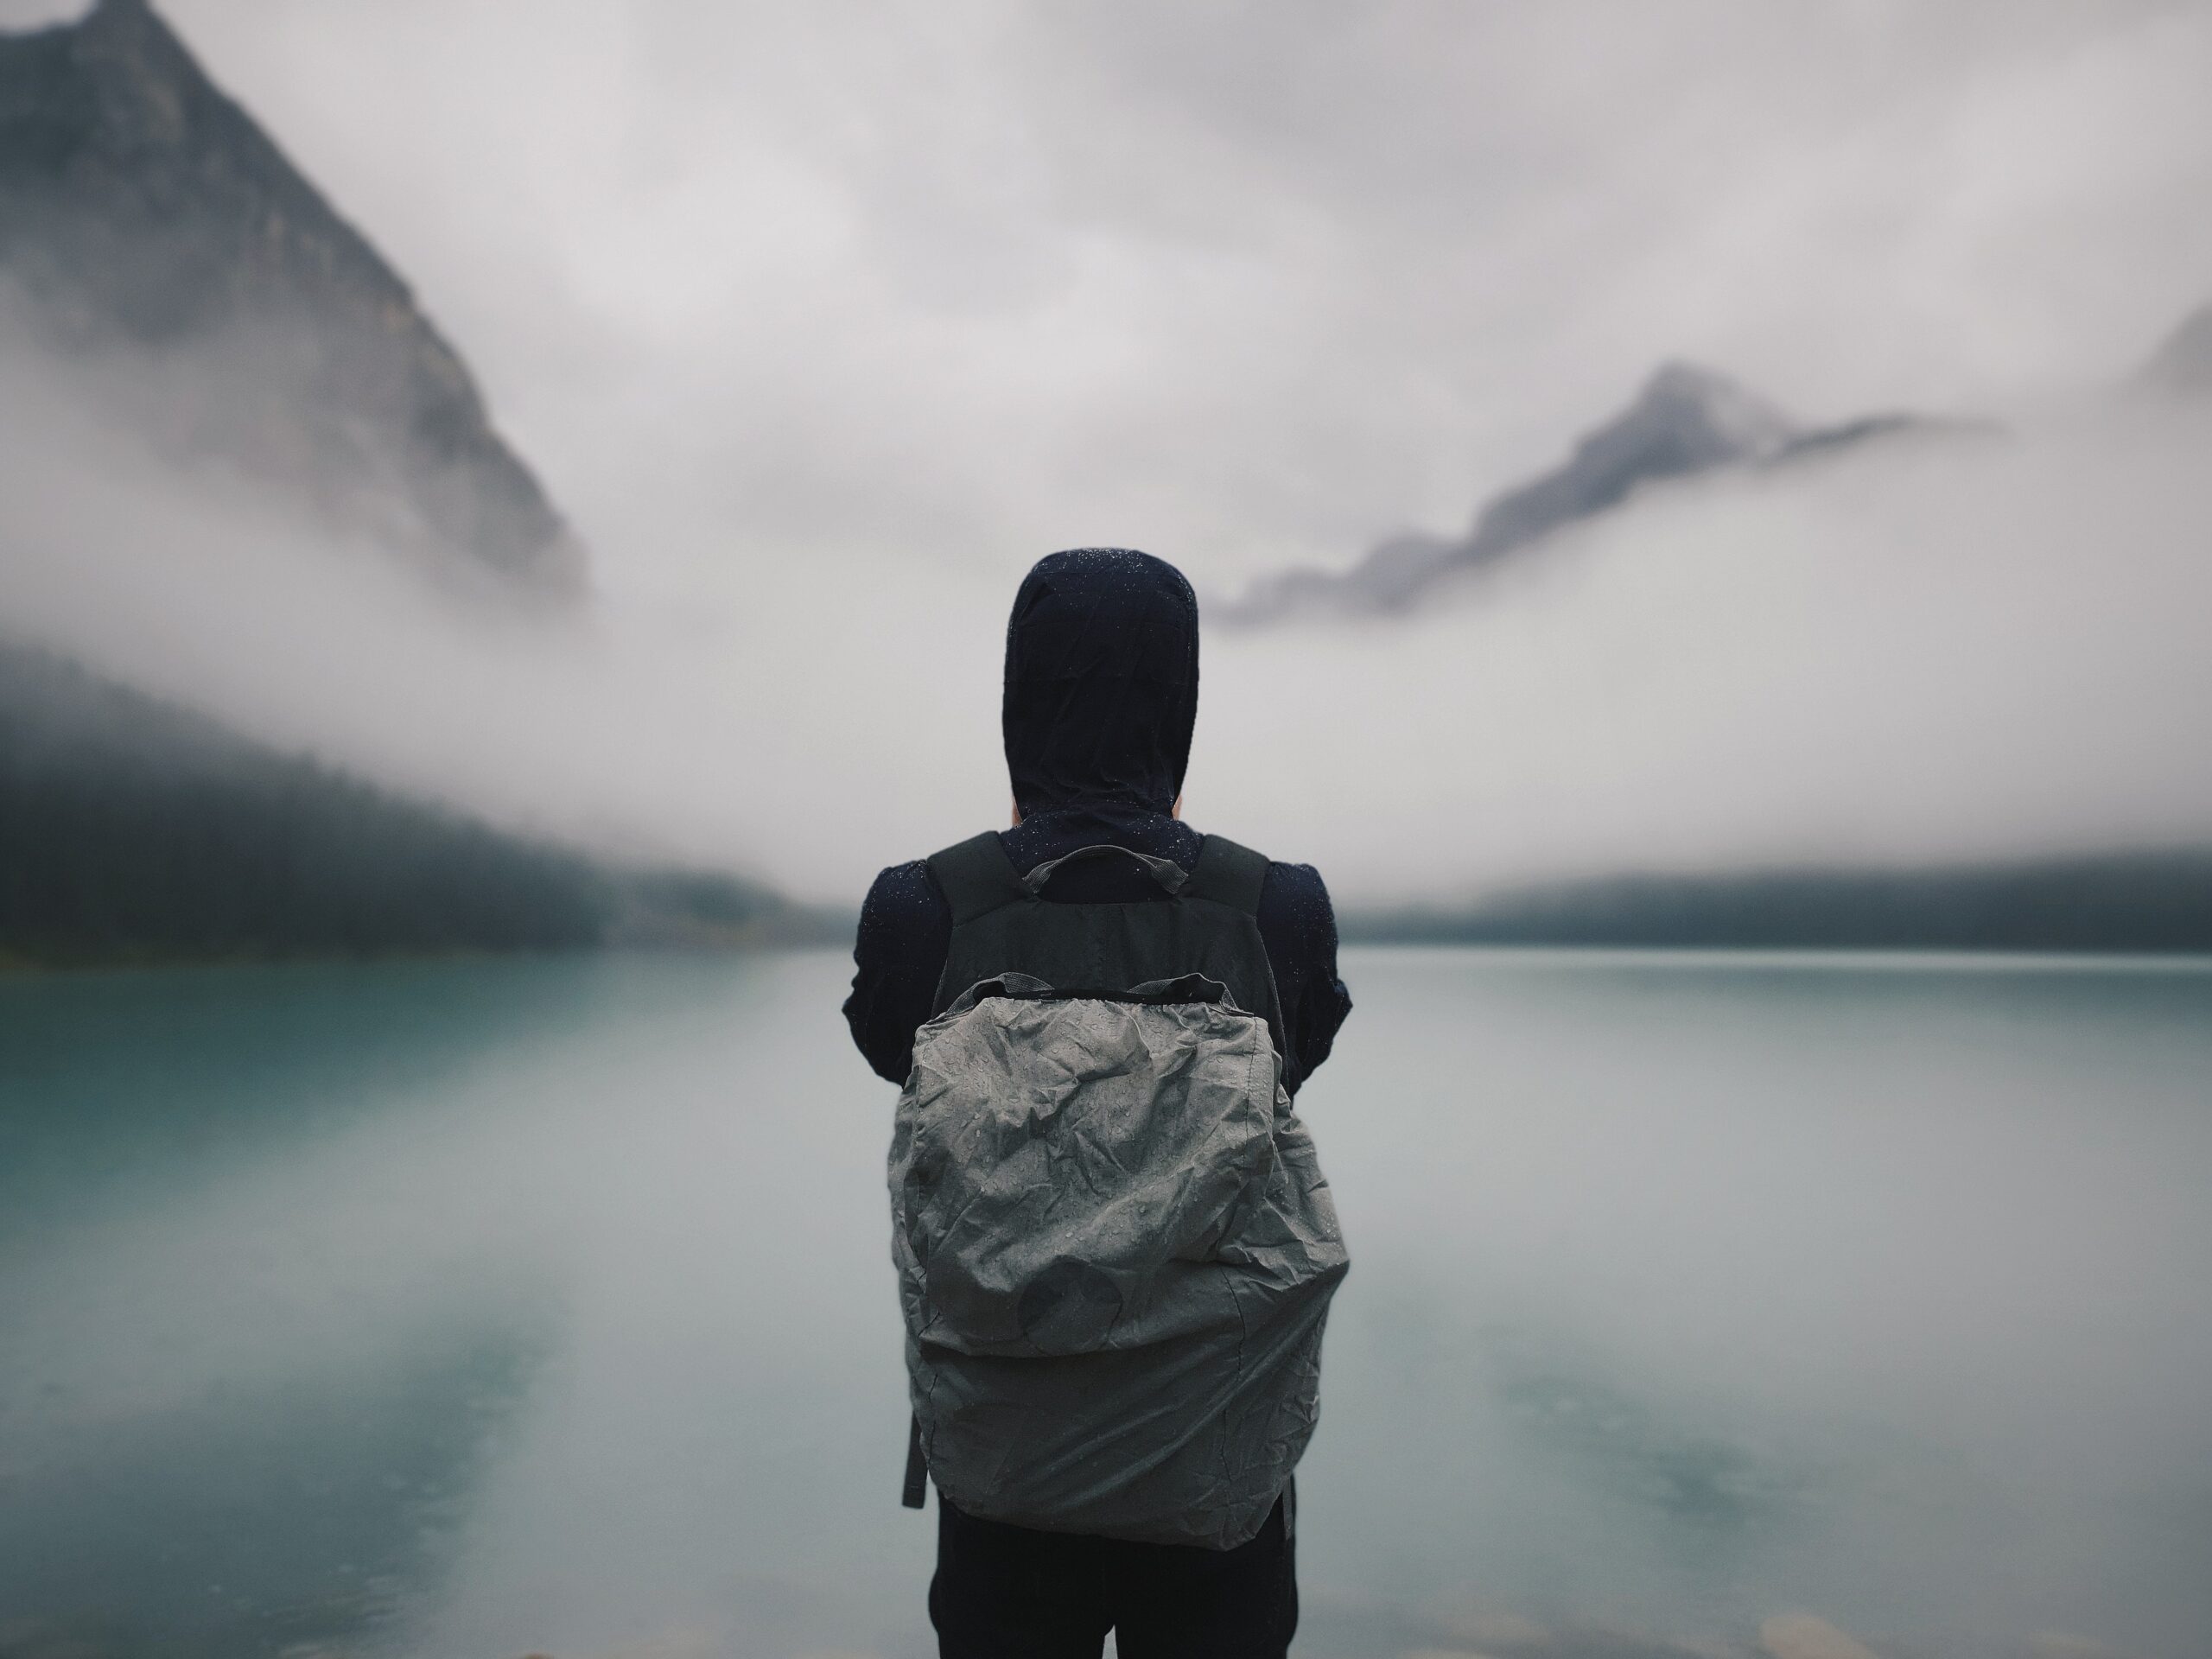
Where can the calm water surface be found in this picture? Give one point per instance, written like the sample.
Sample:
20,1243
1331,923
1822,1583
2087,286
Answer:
482,1309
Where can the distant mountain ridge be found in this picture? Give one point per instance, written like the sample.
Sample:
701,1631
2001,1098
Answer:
1683,422
2119,902
154,237
131,830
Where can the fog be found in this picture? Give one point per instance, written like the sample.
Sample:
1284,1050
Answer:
822,323
1692,1288
1943,650
1934,648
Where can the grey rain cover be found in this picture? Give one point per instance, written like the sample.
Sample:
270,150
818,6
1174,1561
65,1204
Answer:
1115,1251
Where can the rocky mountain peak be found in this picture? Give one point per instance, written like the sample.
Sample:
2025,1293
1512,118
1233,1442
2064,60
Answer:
153,237
1709,414
139,69
1682,422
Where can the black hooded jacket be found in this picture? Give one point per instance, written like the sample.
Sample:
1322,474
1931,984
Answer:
1101,692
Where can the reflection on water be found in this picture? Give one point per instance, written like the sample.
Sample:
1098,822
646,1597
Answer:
260,1515
501,1308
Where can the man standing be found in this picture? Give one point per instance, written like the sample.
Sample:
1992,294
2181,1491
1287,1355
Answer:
1101,696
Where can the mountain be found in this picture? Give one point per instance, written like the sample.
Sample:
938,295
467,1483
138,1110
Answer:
131,830
1684,422
205,295
2183,363
2120,902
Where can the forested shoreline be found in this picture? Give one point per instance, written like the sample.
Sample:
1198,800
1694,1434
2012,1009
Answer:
134,831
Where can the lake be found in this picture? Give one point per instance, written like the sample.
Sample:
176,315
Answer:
485,1308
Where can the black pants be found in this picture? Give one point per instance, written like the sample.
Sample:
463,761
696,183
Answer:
1010,1592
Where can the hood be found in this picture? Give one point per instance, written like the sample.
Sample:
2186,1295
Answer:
1101,681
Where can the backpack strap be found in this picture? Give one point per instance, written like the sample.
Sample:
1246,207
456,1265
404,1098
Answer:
976,877
1228,875
917,1466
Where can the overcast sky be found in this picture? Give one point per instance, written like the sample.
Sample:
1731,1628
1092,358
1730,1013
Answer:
1243,283
823,321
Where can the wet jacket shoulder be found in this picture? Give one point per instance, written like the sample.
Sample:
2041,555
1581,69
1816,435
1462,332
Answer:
1100,698
898,955
905,932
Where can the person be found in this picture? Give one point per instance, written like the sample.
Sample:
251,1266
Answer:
1100,702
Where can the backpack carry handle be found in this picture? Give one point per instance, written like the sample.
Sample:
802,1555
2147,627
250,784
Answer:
1170,875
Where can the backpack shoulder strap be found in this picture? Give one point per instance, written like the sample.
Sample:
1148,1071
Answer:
976,877
1228,875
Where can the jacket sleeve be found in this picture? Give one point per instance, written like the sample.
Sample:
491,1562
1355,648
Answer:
897,956
1298,926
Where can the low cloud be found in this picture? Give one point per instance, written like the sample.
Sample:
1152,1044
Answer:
820,323
1936,648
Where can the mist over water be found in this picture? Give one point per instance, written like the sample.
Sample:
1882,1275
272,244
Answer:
541,1305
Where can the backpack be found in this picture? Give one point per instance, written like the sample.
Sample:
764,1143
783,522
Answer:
1115,1246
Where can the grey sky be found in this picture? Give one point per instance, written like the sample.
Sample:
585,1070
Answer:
1243,282
823,321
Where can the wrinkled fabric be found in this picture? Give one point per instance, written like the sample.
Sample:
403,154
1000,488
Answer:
1116,1252
1101,681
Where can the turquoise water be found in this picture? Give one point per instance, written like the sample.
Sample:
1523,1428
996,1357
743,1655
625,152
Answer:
489,1308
